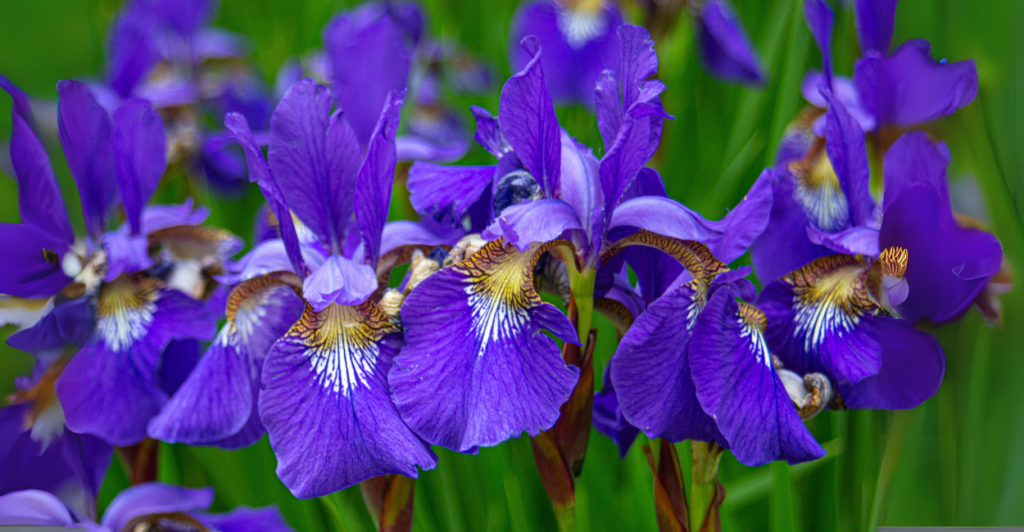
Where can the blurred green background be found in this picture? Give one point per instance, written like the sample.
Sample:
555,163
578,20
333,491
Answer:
956,460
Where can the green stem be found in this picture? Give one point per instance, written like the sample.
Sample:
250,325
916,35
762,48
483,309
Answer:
893,446
566,518
582,286
704,485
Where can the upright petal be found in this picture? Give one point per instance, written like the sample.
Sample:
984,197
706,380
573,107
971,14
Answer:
948,265
651,370
847,153
327,406
910,87
85,135
783,246
819,21
529,122
737,385
370,54
377,175
725,49
132,52
476,369
141,148
39,200
875,20
488,132
316,184
747,221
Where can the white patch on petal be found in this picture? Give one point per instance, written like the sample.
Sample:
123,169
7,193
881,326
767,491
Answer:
48,425
580,26
187,278
342,344
494,319
126,308
757,342
23,313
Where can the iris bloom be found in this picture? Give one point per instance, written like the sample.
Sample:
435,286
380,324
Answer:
118,294
316,375
145,506
472,329
901,89
38,452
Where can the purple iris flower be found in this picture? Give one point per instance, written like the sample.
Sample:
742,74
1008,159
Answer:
579,40
471,329
375,49
38,452
309,338
150,505
134,280
903,89
724,47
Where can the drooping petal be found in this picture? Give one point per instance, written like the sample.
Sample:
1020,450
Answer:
154,498
39,200
316,182
725,49
370,54
651,370
33,508
747,221
339,281
579,42
85,134
447,192
28,460
327,406
909,87
70,322
110,387
737,385
528,120
875,20
533,222
948,265
140,146
475,369
821,320
376,176
843,89
912,368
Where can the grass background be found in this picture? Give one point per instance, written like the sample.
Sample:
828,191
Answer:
955,460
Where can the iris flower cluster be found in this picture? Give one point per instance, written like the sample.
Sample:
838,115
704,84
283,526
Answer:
355,372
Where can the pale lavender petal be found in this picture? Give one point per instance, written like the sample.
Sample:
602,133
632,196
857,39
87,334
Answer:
405,232
665,217
33,508
536,221
855,240
528,120
339,280
154,498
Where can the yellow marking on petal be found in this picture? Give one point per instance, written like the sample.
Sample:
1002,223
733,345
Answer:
818,190
342,343
830,295
894,262
125,309
581,21
752,316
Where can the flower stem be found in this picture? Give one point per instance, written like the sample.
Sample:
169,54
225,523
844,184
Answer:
704,491
581,284
566,518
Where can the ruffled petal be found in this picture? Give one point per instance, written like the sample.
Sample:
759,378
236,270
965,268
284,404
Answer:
528,120
377,175
476,370
488,132
447,192
339,281
909,87
327,407
737,385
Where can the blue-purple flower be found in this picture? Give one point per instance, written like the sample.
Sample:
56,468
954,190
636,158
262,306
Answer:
472,329
151,506
724,48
